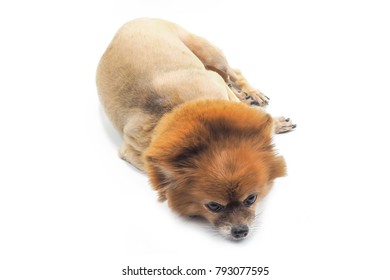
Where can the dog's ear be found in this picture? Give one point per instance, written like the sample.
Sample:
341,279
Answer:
277,168
276,163
264,131
268,127
165,170
160,175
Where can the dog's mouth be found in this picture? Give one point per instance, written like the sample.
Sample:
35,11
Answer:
234,232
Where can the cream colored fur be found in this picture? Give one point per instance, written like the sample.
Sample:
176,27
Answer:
152,66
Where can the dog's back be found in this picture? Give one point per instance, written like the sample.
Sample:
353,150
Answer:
145,72
148,69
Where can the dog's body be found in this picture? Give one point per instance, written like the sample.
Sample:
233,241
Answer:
180,108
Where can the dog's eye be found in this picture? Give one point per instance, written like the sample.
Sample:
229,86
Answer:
214,207
250,200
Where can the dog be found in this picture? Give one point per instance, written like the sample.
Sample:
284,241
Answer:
191,122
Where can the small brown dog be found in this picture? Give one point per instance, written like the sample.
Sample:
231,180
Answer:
191,122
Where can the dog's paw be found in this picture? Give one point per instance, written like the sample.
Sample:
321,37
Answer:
251,97
255,98
283,125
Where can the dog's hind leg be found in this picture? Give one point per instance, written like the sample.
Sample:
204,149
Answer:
213,59
246,93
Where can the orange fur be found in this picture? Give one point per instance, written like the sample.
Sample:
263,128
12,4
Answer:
212,150
189,120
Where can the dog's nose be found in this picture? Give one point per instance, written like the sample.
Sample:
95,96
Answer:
240,231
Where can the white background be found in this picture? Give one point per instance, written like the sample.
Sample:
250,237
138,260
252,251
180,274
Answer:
71,209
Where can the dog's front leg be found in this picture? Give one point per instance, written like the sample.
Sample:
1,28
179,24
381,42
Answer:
283,125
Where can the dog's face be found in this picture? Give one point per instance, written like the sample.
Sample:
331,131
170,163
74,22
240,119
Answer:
220,173
224,186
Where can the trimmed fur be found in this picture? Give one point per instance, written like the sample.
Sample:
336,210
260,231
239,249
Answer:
170,94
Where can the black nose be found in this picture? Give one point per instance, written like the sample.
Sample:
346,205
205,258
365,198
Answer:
240,231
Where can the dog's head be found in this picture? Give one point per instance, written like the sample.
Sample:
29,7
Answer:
214,159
